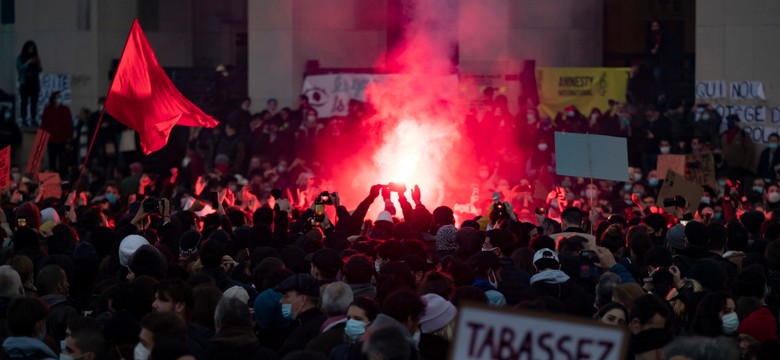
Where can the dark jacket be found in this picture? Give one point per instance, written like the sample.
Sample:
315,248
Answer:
765,169
60,312
513,281
325,342
433,347
305,328
555,283
237,342
198,340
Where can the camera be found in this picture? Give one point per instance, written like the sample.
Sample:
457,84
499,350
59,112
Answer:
151,205
589,257
541,211
677,201
21,222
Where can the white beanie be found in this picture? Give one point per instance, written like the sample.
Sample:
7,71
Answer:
128,246
384,216
238,293
49,214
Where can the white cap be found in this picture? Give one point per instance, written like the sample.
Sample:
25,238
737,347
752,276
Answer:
545,254
128,246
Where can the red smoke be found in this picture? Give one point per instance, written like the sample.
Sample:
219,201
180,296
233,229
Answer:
416,135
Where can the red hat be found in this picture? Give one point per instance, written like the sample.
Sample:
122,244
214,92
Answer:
570,108
760,324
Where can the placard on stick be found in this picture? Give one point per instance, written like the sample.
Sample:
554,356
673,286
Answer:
670,162
491,333
50,185
36,154
5,167
591,156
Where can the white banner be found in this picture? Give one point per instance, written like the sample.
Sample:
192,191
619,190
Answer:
488,333
49,84
747,90
710,89
330,94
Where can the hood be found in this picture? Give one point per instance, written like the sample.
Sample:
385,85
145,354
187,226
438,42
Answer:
26,346
236,336
550,276
53,299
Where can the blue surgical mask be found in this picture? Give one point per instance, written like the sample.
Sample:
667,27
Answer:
652,181
758,188
111,197
718,215
772,146
354,329
287,311
730,323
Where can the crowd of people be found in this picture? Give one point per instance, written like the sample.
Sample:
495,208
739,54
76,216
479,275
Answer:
241,250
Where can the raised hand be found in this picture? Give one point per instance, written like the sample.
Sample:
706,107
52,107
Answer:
416,195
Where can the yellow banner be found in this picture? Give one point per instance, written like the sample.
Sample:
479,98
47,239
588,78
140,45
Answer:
584,88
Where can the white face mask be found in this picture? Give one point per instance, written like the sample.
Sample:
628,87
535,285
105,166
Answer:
377,264
542,147
416,338
531,118
665,149
773,197
730,323
141,352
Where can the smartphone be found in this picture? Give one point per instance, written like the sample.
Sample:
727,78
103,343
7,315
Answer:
21,222
541,211
589,257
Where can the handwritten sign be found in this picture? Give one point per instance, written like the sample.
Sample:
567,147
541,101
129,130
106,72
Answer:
490,333
747,90
49,84
5,167
50,185
676,184
36,154
700,168
670,162
710,89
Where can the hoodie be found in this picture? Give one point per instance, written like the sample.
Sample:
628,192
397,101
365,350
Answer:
23,347
556,283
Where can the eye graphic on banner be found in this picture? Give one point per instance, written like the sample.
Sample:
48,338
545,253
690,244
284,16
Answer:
317,96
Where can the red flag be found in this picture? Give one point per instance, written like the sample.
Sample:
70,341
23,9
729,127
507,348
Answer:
144,98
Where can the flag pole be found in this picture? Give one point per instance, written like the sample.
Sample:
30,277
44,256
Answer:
102,112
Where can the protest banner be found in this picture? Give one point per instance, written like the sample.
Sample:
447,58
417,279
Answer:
700,168
676,184
585,88
5,167
747,90
591,156
670,162
330,94
49,84
710,89
36,153
490,333
50,185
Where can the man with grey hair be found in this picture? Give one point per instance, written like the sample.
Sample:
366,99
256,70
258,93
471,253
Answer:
10,288
235,338
696,347
387,343
336,298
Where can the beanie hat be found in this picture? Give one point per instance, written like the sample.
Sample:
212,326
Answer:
49,214
128,246
237,292
147,260
438,313
470,224
384,216
760,324
675,237
445,238
697,234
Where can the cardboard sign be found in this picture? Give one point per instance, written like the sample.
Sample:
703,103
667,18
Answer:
490,333
701,169
50,185
676,184
5,167
36,153
591,156
670,162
